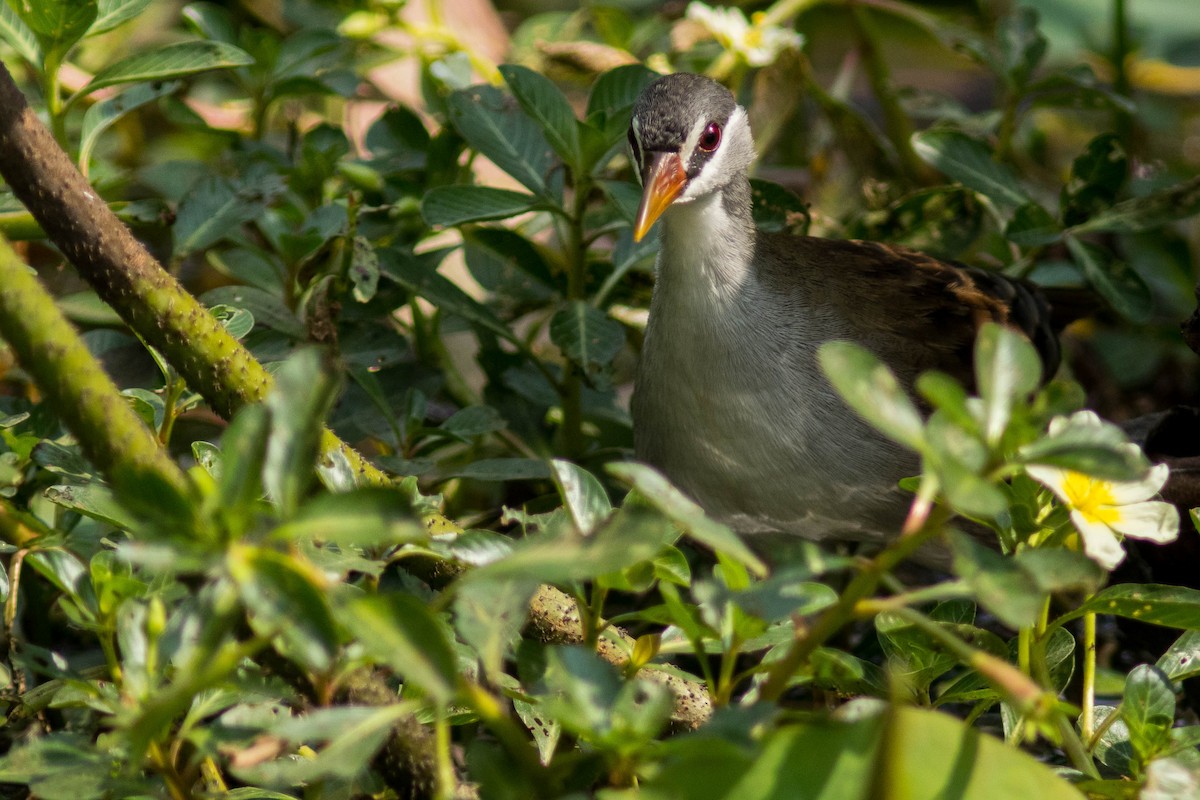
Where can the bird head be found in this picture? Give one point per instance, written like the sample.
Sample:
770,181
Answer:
688,138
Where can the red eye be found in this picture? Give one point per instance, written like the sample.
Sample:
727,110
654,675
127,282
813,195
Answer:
710,138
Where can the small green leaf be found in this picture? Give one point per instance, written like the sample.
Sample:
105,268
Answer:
613,95
171,61
304,391
214,207
58,24
1098,450
456,205
1182,659
237,321
372,516
102,115
95,501
419,274
586,335
969,162
1172,606
1032,226
657,491
1145,213
1007,368
285,598
114,13
503,469
399,631
492,124
1113,279
1148,709
548,107
999,583
17,35
582,495
473,421
872,390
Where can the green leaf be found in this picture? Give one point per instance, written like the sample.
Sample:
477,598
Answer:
657,491
548,107
399,631
1148,709
629,537
1113,748
214,208
17,35
613,95
102,115
236,321
456,205
491,124
95,501
1145,213
904,753
419,274
1007,368
503,469
58,24
998,582
1032,226
1172,606
239,478
1182,659
1114,280
114,13
285,598
872,390
304,391
1098,450
171,61
776,208
374,516
586,335
969,162
265,307
582,495
60,766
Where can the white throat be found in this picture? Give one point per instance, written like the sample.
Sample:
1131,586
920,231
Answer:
706,253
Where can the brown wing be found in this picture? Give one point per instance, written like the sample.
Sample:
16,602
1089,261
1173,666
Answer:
920,313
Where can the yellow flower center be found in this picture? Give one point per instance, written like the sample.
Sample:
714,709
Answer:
1091,497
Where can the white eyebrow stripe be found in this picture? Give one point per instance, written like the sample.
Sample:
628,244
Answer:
693,137
707,180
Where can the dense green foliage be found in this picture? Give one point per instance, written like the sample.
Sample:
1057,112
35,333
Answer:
456,291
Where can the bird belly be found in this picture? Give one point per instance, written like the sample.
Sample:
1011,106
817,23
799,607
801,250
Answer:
760,440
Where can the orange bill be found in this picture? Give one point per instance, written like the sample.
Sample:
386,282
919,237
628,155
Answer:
662,182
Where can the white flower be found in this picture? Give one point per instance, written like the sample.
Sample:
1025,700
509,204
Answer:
1104,511
757,43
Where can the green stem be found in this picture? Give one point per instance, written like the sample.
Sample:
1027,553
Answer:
111,434
896,123
446,780
572,385
1121,85
1087,719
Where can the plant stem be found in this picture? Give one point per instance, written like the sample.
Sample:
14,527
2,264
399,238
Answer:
896,122
1087,719
111,434
572,385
